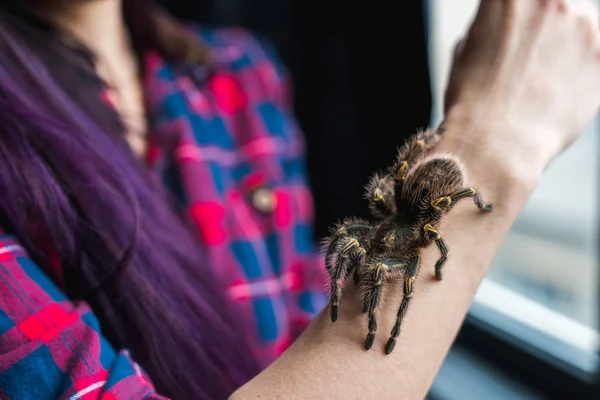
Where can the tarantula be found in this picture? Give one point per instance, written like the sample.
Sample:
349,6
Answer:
408,204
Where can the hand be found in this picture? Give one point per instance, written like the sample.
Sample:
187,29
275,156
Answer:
531,69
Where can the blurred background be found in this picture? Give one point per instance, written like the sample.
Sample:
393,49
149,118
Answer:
367,76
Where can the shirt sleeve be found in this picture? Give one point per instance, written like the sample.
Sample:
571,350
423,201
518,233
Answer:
52,348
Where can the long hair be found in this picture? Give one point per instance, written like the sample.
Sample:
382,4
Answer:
68,180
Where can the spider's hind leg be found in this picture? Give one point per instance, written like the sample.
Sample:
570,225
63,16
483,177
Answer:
345,253
470,192
444,203
409,278
433,234
373,286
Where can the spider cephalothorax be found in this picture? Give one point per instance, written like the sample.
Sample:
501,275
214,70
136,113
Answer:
408,203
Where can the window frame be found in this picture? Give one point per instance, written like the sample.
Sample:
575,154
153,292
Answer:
509,345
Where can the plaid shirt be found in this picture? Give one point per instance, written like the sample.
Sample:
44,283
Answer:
236,169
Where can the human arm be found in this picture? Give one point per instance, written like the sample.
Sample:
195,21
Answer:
505,140
328,360
52,348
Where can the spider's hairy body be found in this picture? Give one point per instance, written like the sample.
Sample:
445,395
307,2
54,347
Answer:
408,204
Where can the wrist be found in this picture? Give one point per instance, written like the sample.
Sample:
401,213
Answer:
498,153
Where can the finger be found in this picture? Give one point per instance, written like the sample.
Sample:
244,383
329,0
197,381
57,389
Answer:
585,8
458,48
490,6
489,18
488,11
587,18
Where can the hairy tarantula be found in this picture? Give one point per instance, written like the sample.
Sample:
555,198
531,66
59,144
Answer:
408,203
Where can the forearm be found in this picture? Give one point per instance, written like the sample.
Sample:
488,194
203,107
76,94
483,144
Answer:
328,360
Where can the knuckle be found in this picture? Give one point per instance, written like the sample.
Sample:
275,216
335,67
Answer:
549,5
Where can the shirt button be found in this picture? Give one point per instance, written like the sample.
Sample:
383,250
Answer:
263,200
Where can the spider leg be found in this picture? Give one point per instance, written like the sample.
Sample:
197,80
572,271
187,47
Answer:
412,150
373,294
409,278
350,227
470,192
345,252
356,269
441,245
346,259
380,195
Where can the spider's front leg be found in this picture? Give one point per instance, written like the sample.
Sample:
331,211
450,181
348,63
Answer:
373,286
345,253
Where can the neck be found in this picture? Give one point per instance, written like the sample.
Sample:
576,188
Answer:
98,24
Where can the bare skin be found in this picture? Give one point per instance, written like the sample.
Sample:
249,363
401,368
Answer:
100,26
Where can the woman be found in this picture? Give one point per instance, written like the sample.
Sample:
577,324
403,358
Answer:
157,233
163,226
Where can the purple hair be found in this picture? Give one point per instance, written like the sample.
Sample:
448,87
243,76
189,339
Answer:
70,178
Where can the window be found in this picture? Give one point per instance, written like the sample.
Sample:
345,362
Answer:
541,294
